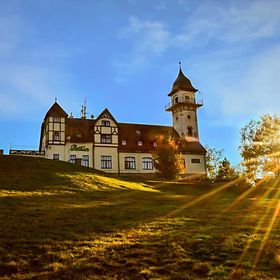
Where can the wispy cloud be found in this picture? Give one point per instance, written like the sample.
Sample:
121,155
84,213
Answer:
12,31
150,39
257,90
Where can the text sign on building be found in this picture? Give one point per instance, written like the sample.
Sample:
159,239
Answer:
75,147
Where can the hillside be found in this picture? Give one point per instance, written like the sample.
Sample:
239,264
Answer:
61,221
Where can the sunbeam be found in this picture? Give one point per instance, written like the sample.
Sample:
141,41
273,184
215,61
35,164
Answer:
246,193
262,219
205,196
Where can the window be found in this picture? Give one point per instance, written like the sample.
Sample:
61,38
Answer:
147,163
189,117
124,142
56,119
56,156
129,163
85,160
176,99
56,136
155,144
187,98
140,143
106,162
195,160
190,131
72,159
106,138
105,123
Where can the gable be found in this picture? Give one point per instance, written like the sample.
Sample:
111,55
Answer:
106,116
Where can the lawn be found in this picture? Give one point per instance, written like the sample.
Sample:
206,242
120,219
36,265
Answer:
60,221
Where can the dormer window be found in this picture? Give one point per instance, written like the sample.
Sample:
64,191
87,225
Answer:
56,119
124,142
140,143
105,123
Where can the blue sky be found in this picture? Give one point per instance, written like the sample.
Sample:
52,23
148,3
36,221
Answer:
124,55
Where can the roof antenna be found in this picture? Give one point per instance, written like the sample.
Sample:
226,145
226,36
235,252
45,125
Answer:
84,110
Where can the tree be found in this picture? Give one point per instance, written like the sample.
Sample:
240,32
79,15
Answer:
260,147
168,158
225,171
213,160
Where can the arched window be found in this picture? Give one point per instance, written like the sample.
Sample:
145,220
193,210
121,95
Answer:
129,163
147,163
190,131
176,99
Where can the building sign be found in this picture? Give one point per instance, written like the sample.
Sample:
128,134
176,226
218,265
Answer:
75,147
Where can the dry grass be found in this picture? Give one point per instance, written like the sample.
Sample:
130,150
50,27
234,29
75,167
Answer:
59,221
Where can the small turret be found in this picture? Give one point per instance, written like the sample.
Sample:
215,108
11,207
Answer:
183,106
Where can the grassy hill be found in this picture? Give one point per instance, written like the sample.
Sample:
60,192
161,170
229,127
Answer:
61,221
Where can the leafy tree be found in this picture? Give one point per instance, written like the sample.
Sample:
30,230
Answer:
225,171
213,160
260,147
168,158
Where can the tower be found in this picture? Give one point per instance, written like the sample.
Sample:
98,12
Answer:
183,105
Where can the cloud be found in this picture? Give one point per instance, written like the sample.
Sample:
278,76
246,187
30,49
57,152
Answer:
12,31
257,91
225,27
150,39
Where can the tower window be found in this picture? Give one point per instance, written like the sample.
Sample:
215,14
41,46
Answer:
176,99
187,98
195,160
140,143
190,131
189,117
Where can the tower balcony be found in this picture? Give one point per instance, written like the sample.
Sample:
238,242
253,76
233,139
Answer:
181,102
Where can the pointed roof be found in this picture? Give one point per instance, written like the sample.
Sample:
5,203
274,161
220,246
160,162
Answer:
182,82
106,114
56,110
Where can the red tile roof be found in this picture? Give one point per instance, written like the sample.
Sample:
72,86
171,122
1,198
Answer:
182,82
148,135
79,130
56,110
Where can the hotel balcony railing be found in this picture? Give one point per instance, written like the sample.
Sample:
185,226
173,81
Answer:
197,103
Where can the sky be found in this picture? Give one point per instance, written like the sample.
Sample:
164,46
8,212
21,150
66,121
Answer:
123,55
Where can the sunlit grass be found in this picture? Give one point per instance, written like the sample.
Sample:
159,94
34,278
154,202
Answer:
64,222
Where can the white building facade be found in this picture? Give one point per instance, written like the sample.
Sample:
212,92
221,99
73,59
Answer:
110,146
